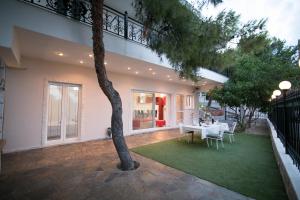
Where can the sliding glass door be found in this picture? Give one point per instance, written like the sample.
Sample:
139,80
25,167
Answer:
143,110
63,112
150,110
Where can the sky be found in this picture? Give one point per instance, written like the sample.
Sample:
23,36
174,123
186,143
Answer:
283,15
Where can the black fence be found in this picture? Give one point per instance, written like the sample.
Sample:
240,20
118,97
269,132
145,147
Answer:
115,22
285,116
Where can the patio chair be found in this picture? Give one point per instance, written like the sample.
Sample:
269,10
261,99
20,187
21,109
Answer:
230,133
215,136
183,132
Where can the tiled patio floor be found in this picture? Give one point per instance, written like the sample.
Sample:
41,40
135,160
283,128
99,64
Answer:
88,171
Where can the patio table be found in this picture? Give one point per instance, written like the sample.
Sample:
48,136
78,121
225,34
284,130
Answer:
205,129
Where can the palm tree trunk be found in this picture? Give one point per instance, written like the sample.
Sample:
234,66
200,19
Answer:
107,87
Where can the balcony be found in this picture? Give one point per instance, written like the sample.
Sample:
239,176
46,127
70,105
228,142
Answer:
115,22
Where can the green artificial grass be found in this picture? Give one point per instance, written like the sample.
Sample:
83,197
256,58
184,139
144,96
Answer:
247,166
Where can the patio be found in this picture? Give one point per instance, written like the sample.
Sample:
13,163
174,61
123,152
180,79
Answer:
88,171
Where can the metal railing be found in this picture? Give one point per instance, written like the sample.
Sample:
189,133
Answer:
115,22
285,116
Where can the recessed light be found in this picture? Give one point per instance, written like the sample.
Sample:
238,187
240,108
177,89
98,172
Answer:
153,73
59,53
129,68
168,76
183,80
90,55
170,79
136,72
105,63
150,69
81,61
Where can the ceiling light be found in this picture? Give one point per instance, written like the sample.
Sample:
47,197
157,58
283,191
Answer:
81,61
153,73
168,76
170,79
59,53
129,68
136,72
105,63
150,69
183,80
90,55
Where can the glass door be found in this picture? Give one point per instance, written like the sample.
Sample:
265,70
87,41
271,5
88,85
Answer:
150,110
63,112
72,105
143,110
54,128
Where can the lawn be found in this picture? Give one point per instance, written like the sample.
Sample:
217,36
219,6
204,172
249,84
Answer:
247,166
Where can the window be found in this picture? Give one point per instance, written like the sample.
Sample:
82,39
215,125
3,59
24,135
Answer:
189,102
179,108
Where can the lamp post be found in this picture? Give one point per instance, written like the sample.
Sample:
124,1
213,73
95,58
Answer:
285,86
276,93
273,108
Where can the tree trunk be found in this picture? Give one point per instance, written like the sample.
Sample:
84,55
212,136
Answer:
106,85
251,114
209,101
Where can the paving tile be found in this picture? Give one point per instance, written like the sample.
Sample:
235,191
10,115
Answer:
88,171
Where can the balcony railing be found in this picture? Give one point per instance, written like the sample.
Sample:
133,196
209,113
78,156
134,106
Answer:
115,22
288,111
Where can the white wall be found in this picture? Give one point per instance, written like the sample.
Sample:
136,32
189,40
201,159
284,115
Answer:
14,13
25,89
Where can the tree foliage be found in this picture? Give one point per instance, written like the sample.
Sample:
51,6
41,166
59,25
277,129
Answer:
258,64
186,38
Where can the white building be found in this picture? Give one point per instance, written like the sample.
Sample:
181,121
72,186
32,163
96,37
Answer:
51,90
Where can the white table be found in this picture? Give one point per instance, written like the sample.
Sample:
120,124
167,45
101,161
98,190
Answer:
205,129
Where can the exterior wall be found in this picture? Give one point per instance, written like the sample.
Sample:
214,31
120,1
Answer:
14,13
25,107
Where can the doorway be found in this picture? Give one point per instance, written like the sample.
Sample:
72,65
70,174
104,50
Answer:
63,112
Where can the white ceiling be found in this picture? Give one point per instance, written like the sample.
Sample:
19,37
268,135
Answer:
36,45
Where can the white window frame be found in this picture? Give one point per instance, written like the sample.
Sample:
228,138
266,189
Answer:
63,139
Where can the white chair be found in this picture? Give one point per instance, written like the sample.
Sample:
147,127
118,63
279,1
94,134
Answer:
230,133
218,136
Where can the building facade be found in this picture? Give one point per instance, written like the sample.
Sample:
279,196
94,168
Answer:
51,90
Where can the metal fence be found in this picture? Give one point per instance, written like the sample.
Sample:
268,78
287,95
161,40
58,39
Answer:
115,22
285,116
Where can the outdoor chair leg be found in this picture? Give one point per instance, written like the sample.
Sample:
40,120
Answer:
207,142
222,143
233,138
217,144
210,141
229,138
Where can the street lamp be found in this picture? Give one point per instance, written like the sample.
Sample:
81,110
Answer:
276,93
273,96
285,86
